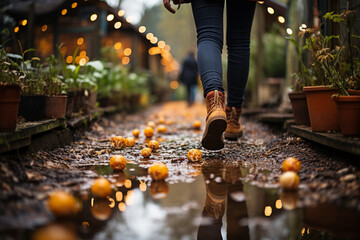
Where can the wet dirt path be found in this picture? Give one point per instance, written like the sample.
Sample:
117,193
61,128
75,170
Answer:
248,167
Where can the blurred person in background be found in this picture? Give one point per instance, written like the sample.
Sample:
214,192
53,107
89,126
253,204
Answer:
189,76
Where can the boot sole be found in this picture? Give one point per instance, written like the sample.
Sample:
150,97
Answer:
232,136
213,135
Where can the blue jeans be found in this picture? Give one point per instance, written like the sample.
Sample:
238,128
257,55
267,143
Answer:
208,16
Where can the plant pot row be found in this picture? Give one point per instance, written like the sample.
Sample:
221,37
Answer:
318,107
38,107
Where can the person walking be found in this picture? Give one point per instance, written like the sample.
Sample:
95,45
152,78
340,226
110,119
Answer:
189,75
208,16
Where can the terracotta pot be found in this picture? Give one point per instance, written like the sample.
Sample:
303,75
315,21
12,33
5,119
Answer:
299,108
349,114
69,105
353,92
32,108
323,112
9,107
56,106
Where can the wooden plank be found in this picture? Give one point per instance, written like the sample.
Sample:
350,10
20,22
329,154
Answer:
28,129
15,144
275,117
333,140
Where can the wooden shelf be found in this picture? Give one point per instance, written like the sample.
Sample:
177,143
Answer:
334,140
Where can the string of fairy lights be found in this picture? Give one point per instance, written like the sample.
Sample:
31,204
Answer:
160,47
167,60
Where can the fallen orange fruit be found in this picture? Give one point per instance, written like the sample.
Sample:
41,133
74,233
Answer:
117,162
118,142
158,171
289,180
129,141
101,188
197,124
146,152
194,155
153,144
161,128
149,132
136,132
291,164
62,203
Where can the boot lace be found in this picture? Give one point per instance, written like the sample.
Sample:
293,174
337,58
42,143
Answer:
216,102
233,116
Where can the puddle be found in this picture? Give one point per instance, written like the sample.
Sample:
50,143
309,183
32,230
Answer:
216,205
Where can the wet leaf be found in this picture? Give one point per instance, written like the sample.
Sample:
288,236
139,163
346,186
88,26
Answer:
33,176
348,178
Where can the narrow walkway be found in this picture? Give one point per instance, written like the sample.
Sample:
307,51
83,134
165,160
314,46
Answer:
326,175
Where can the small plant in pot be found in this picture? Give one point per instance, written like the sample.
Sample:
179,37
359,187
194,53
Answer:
346,75
33,98
10,90
323,112
55,90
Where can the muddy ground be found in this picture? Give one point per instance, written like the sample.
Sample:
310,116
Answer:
28,177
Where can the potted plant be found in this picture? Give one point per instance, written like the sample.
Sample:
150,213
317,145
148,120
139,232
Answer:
55,90
323,112
33,98
10,90
347,74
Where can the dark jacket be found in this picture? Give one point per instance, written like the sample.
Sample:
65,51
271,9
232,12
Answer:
189,72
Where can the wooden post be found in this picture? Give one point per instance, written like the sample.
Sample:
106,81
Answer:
31,23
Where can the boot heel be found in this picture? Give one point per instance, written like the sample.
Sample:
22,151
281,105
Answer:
213,135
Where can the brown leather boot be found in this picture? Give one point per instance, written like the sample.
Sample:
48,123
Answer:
234,129
215,121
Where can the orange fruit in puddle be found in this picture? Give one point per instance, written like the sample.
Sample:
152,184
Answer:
136,132
54,231
194,155
291,164
101,188
146,152
101,209
158,189
158,171
289,180
149,132
117,162
62,203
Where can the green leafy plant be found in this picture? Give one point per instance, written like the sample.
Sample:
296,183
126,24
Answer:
10,73
50,74
330,66
304,77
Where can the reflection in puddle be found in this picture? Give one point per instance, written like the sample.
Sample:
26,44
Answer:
217,205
